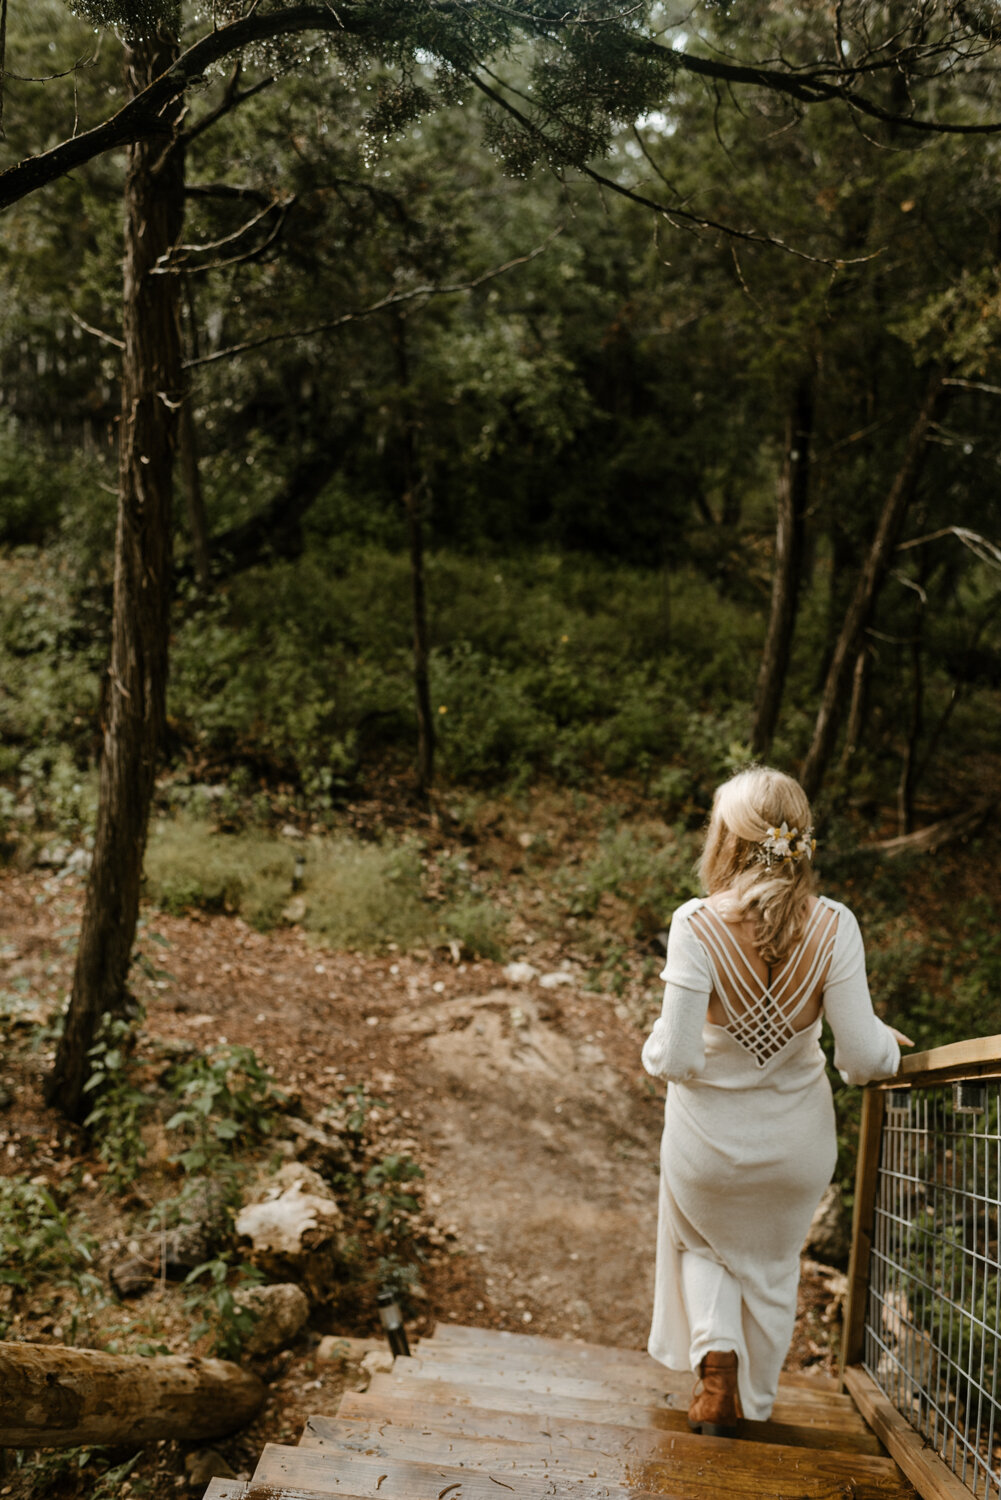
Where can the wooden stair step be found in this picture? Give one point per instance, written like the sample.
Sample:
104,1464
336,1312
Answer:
813,1409
502,1341
632,1368
663,1415
681,1464
226,1489
598,1431
376,1476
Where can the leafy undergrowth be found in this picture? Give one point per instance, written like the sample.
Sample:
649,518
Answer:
179,1135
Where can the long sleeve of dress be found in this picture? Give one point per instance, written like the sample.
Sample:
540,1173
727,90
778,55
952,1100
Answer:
864,1046
675,1049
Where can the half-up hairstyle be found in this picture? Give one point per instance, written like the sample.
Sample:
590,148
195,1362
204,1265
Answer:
776,897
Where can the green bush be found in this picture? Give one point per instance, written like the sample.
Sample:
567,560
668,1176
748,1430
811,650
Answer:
654,873
353,895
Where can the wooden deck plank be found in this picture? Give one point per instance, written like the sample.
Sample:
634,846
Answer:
679,1461
226,1489
597,1431
668,1414
381,1476
916,1458
813,1408
538,1346
639,1370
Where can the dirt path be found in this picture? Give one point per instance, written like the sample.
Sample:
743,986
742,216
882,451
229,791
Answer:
525,1103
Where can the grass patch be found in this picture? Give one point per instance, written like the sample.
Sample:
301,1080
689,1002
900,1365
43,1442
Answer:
352,895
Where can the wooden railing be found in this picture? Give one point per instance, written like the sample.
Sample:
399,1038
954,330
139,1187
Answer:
921,1349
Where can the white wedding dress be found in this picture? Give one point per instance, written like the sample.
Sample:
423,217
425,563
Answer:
749,1140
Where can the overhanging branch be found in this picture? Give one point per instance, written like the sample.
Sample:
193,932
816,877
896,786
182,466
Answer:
671,211
144,114
392,299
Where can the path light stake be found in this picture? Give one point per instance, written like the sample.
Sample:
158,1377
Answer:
298,871
392,1322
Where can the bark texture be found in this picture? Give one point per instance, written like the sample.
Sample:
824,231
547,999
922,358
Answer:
835,692
54,1397
412,495
422,687
790,532
152,390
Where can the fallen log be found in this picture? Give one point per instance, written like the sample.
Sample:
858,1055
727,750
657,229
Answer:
55,1397
936,835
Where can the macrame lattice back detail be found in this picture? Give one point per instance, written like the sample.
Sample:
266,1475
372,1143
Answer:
761,1015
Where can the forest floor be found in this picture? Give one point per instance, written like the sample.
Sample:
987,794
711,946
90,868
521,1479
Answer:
523,1102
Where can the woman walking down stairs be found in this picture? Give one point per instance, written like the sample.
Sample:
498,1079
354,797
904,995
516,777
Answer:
476,1412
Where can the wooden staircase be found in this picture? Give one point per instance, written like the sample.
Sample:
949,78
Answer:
477,1413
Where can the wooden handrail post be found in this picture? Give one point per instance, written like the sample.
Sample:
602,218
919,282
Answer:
867,1168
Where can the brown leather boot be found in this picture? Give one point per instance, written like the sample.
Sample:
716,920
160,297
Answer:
714,1410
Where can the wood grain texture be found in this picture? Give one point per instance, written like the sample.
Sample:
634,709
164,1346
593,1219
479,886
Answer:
600,1430
931,1477
720,1468
974,1052
668,1463
866,1172
812,1408
57,1397
669,1414
493,1345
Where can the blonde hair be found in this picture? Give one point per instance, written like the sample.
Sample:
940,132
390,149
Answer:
776,900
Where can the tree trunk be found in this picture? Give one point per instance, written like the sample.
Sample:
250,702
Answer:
859,705
870,581
422,685
415,536
54,1397
909,764
198,529
152,390
790,528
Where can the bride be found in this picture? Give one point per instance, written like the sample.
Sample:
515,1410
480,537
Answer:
749,1140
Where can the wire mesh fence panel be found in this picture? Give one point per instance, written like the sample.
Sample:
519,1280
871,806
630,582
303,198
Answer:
934,1304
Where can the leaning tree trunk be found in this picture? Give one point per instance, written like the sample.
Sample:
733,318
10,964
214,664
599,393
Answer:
152,389
867,589
790,531
54,1397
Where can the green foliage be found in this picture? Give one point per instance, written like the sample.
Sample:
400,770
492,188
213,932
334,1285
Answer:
40,1472
477,924
31,489
651,872
118,1105
215,1304
387,1198
39,1243
398,1276
229,1100
353,895
134,17
189,864
355,1107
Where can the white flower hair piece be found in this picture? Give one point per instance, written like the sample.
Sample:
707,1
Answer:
780,844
